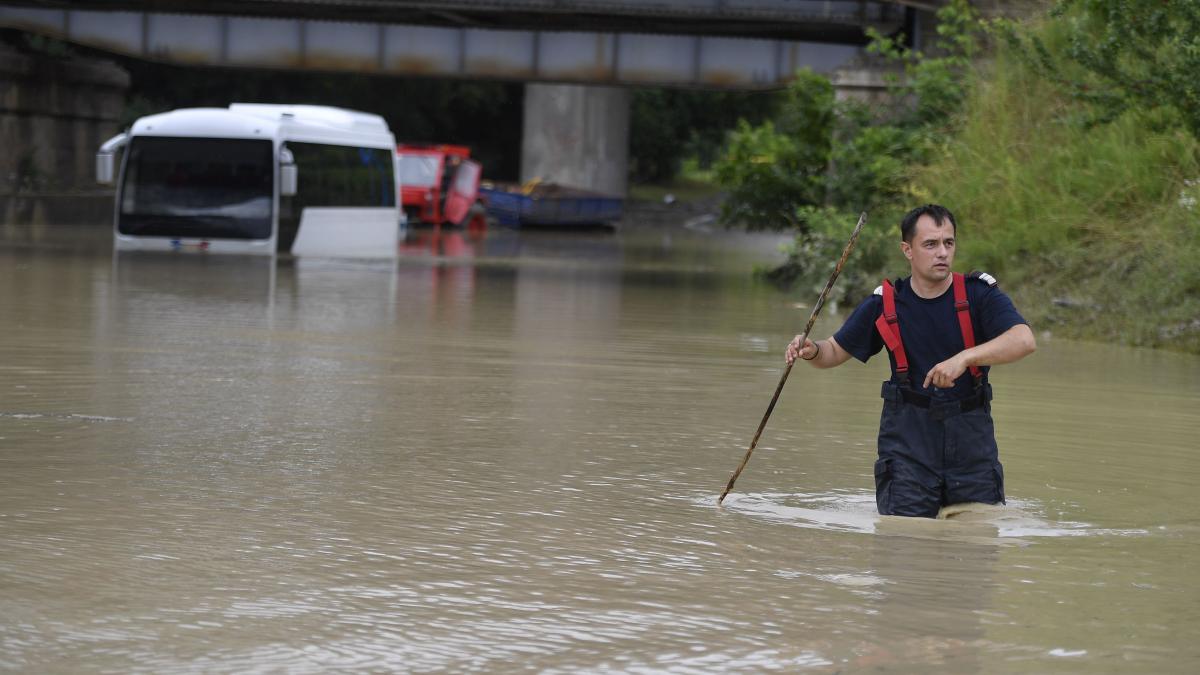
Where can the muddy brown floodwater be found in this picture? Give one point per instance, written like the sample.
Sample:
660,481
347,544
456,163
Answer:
504,455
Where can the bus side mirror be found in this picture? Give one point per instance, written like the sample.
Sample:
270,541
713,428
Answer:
289,175
105,171
104,168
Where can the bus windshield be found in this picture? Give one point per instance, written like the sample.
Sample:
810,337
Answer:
197,187
418,170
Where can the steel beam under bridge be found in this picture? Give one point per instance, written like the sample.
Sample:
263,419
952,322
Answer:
557,54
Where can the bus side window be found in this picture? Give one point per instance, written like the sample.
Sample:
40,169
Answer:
333,175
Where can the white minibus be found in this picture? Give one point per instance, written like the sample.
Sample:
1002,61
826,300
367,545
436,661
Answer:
258,179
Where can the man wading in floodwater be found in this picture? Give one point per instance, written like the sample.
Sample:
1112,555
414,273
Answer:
936,442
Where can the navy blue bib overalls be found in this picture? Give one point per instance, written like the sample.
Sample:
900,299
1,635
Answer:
933,451
935,454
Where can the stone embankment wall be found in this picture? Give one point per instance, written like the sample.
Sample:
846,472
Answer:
54,114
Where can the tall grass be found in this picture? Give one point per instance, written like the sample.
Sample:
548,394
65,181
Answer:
1090,228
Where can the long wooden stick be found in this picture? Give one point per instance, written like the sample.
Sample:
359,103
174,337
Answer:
786,371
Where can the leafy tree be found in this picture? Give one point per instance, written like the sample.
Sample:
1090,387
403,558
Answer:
849,155
669,125
1123,55
772,169
820,162
656,136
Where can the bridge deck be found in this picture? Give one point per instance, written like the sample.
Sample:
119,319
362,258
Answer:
818,20
710,43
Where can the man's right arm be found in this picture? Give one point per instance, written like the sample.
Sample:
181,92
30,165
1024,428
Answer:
825,353
857,337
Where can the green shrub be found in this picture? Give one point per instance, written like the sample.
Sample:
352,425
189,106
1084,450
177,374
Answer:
772,169
871,152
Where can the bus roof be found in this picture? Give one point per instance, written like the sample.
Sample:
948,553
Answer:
319,115
313,123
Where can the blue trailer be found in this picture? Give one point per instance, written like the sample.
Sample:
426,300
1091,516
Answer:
548,204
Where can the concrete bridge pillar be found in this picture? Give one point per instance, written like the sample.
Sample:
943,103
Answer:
54,114
577,135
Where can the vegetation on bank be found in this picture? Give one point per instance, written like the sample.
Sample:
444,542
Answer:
1095,227
1073,181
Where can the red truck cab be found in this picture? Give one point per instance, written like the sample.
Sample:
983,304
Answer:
439,184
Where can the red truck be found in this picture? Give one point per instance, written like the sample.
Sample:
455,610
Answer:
439,185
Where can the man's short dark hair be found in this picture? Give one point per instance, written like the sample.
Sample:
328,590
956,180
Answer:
940,214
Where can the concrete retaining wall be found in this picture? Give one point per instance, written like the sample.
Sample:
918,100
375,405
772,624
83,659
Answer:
54,114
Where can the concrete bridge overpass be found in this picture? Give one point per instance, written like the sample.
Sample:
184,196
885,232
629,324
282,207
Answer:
784,19
576,129
712,43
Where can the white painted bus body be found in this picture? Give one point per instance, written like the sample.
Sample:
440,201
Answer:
362,220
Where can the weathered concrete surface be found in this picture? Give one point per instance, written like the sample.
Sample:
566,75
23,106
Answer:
577,135
54,114
1012,9
868,82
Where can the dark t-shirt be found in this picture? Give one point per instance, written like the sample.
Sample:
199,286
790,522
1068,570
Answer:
930,330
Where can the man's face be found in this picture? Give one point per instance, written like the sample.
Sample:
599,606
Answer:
931,251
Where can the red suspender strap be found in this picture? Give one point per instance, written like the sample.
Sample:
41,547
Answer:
889,328
962,308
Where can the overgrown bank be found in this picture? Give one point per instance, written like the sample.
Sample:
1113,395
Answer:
1084,206
1094,228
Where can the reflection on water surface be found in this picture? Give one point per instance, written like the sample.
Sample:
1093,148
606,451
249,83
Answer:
503,454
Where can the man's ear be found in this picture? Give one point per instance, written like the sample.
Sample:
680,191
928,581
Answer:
906,249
